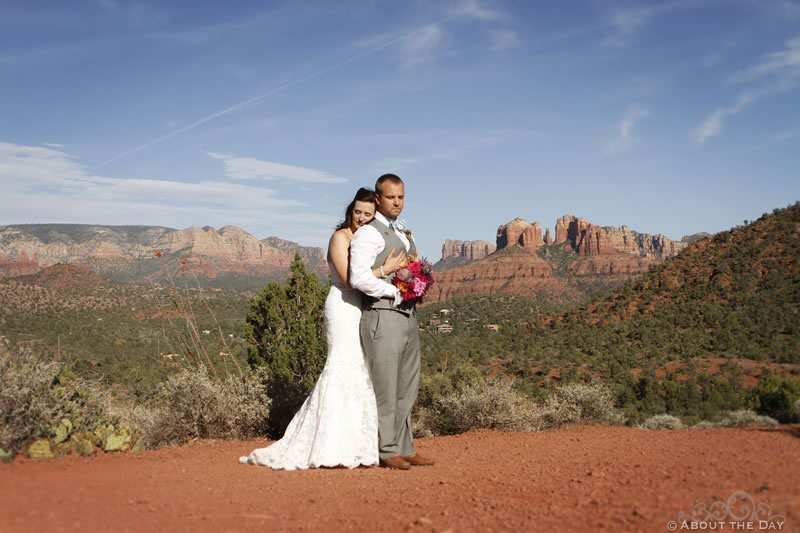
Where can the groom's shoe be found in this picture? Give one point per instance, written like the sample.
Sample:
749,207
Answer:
396,463
417,460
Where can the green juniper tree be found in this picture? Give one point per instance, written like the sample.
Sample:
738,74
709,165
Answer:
284,330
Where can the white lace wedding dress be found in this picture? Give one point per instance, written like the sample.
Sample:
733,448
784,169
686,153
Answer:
338,423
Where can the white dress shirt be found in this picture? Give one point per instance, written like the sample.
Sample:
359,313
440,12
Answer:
365,246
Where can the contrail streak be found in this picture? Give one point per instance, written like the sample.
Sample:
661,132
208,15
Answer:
267,94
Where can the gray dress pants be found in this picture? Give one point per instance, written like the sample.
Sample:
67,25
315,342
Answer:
390,340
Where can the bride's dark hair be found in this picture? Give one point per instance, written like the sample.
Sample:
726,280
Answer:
362,195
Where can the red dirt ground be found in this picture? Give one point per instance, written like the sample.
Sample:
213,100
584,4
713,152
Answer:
586,478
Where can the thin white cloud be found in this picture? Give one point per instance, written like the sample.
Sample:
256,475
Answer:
419,35
251,168
421,47
425,44
784,63
456,149
627,22
625,139
503,39
712,125
54,145
785,136
475,9
39,182
775,73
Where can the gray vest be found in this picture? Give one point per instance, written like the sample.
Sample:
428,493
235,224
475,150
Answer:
392,243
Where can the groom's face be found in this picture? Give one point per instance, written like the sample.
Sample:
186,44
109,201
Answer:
390,199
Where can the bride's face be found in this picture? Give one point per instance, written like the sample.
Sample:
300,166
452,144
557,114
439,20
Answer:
362,213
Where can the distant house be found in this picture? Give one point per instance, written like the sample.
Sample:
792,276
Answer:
445,312
170,356
434,322
444,328
494,328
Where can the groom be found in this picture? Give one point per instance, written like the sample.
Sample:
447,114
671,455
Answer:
389,331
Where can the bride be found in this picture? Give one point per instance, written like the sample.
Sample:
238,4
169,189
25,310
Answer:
338,422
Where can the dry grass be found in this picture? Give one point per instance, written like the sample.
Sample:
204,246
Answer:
192,405
496,404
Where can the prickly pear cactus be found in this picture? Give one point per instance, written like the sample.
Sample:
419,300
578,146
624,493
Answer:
84,447
116,441
40,449
83,443
62,431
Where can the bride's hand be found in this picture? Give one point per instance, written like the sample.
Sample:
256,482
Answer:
395,262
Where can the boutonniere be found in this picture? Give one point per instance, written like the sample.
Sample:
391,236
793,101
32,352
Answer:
400,225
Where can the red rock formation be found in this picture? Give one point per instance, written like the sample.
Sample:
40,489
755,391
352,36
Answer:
589,239
509,272
62,276
548,239
509,234
611,264
19,266
532,236
594,241
612,254
467,249
477,249
451,248
570,228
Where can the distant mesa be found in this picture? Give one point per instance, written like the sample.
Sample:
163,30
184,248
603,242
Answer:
229,256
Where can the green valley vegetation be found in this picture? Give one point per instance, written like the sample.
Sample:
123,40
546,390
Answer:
131,336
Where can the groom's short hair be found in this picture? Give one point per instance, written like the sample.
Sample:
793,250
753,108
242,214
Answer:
393,178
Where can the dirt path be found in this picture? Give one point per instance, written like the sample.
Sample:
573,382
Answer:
578,479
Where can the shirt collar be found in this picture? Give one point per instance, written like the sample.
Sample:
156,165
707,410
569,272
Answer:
381,217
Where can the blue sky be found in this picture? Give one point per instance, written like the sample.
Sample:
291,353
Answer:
670,117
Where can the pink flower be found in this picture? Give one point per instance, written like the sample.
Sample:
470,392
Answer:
415,279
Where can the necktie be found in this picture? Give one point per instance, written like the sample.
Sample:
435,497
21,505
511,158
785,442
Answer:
397,225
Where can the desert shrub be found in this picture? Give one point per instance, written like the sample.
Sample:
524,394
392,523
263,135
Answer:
434,386
662,422
742,417
41,399
192,405
577,402
777,397
494,404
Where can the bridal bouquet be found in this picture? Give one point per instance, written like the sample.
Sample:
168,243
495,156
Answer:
415,279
